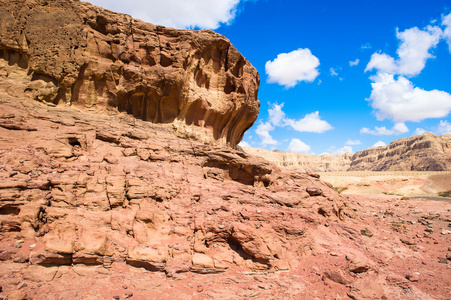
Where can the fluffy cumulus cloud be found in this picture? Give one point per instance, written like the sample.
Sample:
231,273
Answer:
310,123
298,146
338,151
399,100
413,52
444,128
419,131
354,63
277,118
447,31
262,131
380,144
395,97
399,128
276,114
353,142
244,144
176,13
288,69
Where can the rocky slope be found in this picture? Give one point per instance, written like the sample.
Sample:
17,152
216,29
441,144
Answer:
97,205
108,206
88,57
426,152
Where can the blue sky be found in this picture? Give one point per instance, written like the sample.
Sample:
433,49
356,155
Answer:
335,75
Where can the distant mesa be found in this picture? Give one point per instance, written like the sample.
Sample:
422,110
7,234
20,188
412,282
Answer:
85,56
426,152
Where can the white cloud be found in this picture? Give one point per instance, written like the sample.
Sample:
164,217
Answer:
176,13
398,128
379,144
354,63
447,31
333,72
413,52
353,142
298,146
288,69
339,151
419,131
310,123
276,115
262,131
444,128
400,101
244,144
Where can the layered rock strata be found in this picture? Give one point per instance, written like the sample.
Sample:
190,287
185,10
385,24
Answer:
304,162
81,55
426,152
112,207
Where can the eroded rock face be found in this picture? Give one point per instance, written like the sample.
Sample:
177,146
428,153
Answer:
88,57
304,162
107,206
426,152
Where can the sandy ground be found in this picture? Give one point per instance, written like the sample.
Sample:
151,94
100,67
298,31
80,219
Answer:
408,184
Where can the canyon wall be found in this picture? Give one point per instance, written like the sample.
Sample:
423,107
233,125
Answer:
304,162
81,55
426,152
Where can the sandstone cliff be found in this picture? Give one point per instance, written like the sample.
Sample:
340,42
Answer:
426,152
304,162
91,58
97,205
112,207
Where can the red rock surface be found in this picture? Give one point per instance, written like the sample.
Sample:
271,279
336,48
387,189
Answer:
101,206
98,204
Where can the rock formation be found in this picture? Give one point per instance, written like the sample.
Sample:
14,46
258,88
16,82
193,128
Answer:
304,162
97,205
426,152
88,57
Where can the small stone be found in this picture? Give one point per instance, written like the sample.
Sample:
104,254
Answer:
429,229
314,191
116,297
413,277
443,260
18,244
21,285
366,232
444,231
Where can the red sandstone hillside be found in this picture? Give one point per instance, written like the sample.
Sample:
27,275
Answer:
426,152
100,200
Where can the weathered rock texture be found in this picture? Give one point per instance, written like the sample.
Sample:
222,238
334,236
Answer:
426,152
111,207
88,57
304,162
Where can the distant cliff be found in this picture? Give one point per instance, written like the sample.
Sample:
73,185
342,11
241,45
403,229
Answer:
304,162
426,152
